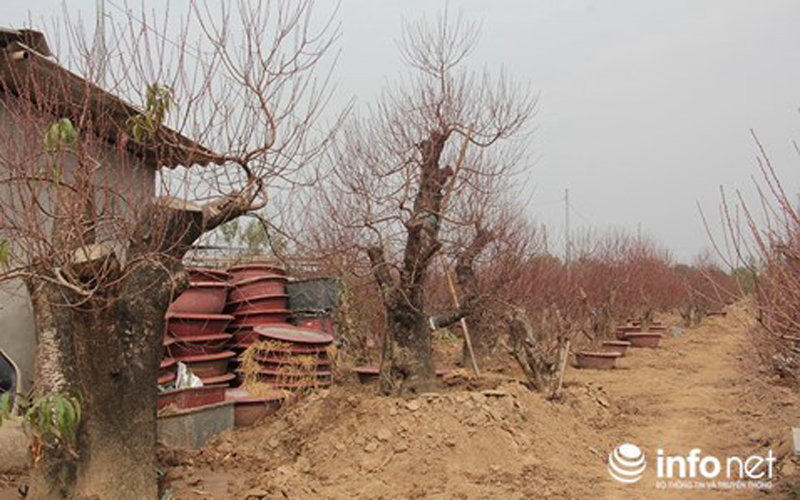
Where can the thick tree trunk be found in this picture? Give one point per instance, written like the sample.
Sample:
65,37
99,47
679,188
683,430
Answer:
411,370
117,346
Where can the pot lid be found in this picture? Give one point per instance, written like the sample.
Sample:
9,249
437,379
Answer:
200,358
249,281
198,316
209,337
297,335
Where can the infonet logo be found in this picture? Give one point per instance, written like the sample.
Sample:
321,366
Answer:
626,464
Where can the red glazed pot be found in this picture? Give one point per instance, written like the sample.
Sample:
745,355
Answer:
644,339
208,365
203,274
166,378
596,360
199,344
367,374
293,386
294,335
263,303
273,362
618,346
223,380
285,374
208,297
260,318
250,270
192,397
191,325
248,410
252,288
622,331
244,336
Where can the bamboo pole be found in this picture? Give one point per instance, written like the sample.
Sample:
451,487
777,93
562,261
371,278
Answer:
464,328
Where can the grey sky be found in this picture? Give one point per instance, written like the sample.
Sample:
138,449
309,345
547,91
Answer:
645,106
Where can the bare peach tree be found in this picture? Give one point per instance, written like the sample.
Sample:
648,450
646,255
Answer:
762,241
100,200
402,170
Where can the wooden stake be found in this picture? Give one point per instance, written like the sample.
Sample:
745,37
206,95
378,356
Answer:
467,339
558,382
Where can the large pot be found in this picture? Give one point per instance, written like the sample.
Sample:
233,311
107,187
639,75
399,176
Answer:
249,410
260,318
596,360
192,397
252,288
250,270
192,324
294,335
278,302
207,297
622,331
208,365
644,339
199,344
367,374
618,346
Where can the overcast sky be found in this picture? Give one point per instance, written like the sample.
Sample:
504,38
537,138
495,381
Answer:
645,106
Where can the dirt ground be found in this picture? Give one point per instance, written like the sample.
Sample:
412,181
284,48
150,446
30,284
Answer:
496,440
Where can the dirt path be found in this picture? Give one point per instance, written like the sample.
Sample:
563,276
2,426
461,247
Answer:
496,439
696,392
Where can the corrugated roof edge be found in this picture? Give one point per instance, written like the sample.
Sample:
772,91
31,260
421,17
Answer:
169,149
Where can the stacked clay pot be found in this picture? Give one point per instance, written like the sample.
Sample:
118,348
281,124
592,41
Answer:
257,297
298,360
196,327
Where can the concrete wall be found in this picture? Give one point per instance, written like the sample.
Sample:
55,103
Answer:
125,174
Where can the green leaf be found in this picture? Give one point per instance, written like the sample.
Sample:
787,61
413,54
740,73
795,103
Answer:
60,133
5,252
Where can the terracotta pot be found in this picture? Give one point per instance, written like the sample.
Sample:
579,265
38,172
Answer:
243,337
257,287
224,380
191,325
207,297
294,335
294,386
596,360
192,397
166,371
263,303
622,331
249,410
166,363
199,344
317,322
166,378
644,339
204,274
260,318
367,374
274,362
208,365
250,270
619,346
298,350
